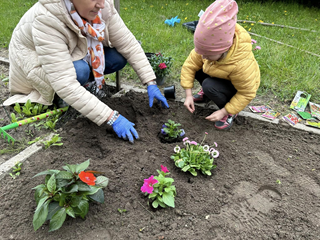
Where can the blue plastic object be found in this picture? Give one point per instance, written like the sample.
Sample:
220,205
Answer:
172,21
154,92
124,128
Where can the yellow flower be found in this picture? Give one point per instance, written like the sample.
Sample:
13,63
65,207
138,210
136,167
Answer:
131,7
292,35
285,11
252,24
316,19
182,10
244,21
125,8
185,18
260,21
272,23
187,4
151,6
245,26
249,29
162,7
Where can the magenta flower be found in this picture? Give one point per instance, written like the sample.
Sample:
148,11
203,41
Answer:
162,66
148,184
164,169
206,133
215,144
257,48
253,41
185,139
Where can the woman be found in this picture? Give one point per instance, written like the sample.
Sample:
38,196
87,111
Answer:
57,45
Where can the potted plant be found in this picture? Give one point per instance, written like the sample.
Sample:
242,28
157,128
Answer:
171,133
161,66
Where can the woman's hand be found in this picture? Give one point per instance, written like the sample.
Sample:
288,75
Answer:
217,115
124,129
154,92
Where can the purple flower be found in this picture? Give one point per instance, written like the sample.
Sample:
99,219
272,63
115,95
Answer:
164,126
182,133
163,132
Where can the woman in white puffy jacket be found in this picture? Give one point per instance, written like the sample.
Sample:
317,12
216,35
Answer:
58,44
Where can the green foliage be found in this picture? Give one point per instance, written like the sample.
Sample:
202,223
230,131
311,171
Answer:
54,141
164,192
16,169
161,65
51,122
195,157
65,193
171,130
122,210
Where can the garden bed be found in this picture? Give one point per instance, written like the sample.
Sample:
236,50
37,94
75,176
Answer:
265,186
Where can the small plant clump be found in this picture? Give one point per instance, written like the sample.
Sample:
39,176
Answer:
195,157
67,193
160,64
160,189
170,132
16,170
54,141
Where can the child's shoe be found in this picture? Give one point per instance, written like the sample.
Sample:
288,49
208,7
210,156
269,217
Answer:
226,122
199,97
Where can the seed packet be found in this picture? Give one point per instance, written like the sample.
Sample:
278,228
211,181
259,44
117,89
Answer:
270,114
300,101
260,109
292,119
315,110
306,115
313,123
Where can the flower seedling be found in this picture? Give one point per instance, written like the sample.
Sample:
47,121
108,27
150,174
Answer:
171,131
16,169
65,193
122,210
160,189
160,64
195,157
54,141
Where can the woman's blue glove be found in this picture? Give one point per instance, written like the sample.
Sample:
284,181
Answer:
154,92
124,128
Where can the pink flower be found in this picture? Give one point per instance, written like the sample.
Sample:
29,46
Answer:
162,66
257,48
215,144
206,133
185,139
148,184
253,41
164,169
215,154
194,143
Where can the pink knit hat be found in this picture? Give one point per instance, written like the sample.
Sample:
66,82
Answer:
215,30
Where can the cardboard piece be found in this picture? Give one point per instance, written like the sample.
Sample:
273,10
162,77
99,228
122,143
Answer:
291,118
270,114
259,109
313,124
315,110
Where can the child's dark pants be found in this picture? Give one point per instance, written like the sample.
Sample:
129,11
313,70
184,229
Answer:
220,91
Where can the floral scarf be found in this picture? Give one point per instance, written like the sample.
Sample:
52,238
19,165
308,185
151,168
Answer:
94,32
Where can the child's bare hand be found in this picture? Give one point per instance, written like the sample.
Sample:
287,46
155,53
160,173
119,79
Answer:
217,115
189,104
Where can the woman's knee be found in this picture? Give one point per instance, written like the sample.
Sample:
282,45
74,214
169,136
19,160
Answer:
82,71
114,61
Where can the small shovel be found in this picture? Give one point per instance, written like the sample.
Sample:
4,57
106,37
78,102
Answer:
27,121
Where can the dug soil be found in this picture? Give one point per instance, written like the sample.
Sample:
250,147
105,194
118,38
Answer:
265,186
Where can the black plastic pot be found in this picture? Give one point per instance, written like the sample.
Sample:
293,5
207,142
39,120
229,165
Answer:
149,55
170,92
191,25
163,139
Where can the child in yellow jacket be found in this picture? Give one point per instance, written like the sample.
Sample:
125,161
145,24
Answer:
223,63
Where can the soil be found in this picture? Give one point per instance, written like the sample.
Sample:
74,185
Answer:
265,186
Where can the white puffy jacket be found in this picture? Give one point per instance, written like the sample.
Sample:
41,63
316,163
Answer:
46,42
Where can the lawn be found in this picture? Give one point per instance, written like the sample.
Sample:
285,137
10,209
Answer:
284,69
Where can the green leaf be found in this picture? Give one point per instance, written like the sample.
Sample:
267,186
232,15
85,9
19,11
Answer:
73,188
168,199
186,168
82,166
84,207
51,185
70,212
53,208
208,173
102,181
62,200
70,168
98,196
41,202
57,219
63,182
39,191
155,204
40,215
94,189
193,172
50,172
162,205
64,175
83,186
75,201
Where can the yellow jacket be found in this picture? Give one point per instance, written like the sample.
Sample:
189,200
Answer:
239,66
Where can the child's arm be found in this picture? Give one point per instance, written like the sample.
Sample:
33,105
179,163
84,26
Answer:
188,71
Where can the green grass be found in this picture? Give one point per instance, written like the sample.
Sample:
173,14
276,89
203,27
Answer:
284,70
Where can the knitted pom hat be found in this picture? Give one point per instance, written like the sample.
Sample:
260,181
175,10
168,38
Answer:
215,30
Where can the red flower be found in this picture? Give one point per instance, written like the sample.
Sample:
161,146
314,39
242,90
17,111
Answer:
87,178
162,66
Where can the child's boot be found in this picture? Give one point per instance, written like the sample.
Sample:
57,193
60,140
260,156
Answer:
199,97
226,122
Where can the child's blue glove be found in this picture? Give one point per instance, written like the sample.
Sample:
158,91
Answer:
154,92
172,21
124,128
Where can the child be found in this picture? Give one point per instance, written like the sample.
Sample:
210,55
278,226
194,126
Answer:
223,63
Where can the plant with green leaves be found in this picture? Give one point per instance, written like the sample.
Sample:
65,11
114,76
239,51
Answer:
65,193
171,130
51,122
16,169
160,189
30,109
54,141
195,157
160,64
